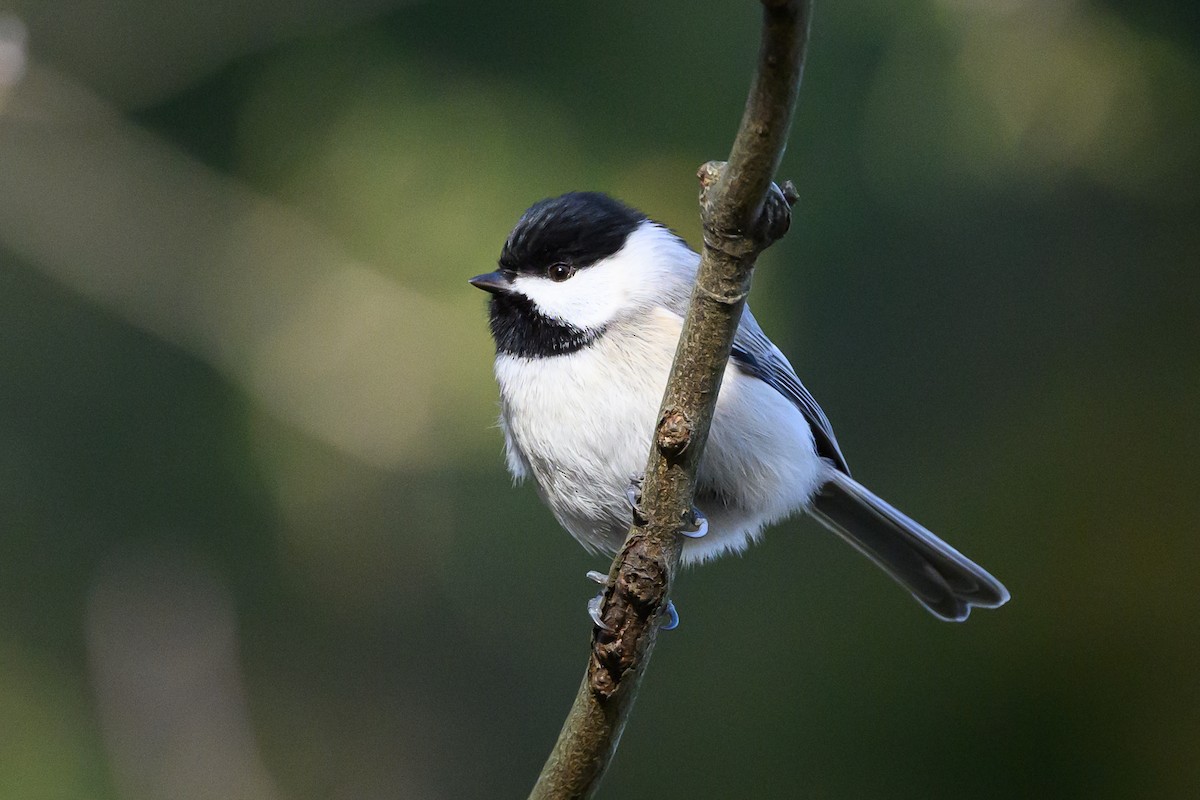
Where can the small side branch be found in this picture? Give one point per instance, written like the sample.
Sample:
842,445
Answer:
743,213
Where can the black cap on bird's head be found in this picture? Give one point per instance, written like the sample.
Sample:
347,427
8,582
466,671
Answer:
555,239
577,228
571,232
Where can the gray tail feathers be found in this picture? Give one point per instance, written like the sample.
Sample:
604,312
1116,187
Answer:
944,581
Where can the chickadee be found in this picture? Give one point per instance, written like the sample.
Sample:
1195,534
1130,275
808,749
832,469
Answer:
586,310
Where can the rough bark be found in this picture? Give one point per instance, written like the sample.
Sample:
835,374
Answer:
742,214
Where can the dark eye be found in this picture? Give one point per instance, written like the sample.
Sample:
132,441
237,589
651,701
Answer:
560,272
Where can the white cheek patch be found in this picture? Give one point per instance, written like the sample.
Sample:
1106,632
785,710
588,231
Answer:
596,295
589,299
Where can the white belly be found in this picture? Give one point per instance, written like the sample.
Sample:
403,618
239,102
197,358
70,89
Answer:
584,430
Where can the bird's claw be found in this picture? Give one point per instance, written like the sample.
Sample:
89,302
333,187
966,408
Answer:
633,494
672,620
594,612
594,607
695,528
697,525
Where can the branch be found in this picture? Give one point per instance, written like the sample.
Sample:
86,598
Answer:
743,213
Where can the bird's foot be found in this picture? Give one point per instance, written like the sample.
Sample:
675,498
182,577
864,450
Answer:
633,494
697,526
672,620
594,611
594,606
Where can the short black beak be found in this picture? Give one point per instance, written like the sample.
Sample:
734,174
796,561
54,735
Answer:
494,282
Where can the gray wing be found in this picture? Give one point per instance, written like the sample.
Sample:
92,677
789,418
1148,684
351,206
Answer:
755,355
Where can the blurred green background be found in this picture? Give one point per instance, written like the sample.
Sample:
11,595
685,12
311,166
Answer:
256,537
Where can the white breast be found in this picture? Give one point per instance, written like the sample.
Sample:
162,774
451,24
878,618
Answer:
582,423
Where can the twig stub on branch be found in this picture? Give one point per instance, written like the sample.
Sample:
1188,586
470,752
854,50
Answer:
674,433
